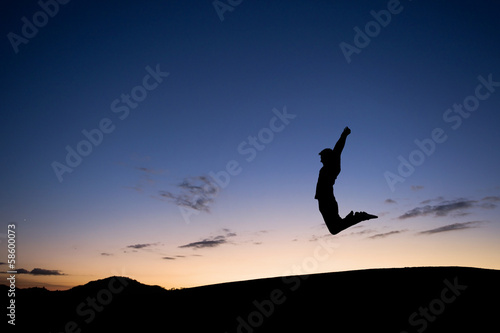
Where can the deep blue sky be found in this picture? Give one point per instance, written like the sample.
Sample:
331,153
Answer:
225,78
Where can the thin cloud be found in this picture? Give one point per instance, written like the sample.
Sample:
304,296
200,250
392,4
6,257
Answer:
315,238
148,177
390,201
452,227
363,232
140,246
151,171
40,271
210,241
416,187
105,254
438,199
205,243
442,209
488,202
197,193
488,205
385,234
491,198
176,257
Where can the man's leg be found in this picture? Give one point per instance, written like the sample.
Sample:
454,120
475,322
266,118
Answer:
335,224
329,208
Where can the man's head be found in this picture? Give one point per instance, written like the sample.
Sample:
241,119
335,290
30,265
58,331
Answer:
326,155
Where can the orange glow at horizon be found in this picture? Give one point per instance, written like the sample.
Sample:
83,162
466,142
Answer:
274,257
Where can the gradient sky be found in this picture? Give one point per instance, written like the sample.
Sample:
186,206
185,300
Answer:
142,202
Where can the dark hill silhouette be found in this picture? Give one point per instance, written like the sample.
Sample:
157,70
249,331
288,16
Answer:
429,299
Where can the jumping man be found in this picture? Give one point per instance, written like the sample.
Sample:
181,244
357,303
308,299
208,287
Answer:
328,206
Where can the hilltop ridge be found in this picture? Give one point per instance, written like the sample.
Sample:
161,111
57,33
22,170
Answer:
430,299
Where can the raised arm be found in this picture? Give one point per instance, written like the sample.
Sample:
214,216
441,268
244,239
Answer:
339,146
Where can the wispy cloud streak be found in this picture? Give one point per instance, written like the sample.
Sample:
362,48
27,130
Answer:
140,246
40,271
452,227
210,242
386,234
197,193
442,209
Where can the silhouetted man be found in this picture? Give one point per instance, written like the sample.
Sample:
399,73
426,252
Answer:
328,206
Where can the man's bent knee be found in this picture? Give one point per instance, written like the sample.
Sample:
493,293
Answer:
334,225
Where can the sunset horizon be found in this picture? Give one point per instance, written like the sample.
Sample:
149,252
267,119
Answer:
177,144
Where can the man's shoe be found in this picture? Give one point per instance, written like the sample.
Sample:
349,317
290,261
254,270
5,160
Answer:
363,216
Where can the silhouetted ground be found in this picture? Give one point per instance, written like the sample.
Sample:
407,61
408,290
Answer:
430,299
